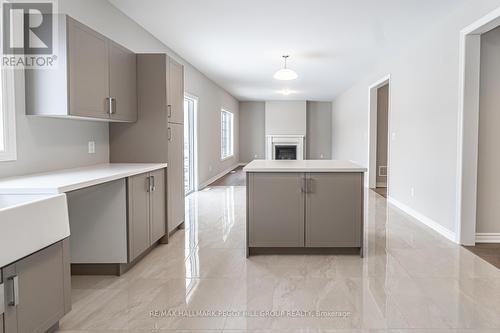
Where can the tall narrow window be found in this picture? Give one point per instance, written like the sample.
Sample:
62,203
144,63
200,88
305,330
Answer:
7,113
227,134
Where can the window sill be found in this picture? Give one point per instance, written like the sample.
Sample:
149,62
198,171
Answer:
226,158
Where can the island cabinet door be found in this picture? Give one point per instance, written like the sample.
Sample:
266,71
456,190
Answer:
334,209
276,210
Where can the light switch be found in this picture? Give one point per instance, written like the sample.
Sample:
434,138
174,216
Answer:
91,147
393,136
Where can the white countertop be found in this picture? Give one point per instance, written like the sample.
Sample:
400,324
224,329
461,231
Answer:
66,180
302,166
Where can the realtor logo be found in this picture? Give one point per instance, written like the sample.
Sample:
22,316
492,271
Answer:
28,34
27,28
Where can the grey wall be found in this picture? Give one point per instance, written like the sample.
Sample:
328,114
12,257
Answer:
382,128
252,131
319,130
46,144
424,117
488,178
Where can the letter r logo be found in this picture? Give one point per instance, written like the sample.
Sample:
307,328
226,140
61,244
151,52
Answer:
27,28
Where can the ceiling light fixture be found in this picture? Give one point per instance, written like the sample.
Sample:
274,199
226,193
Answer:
285,74
287,92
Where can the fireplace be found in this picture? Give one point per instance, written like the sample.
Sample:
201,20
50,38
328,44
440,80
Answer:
285,152
285,147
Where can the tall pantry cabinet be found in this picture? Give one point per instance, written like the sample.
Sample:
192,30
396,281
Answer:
158,134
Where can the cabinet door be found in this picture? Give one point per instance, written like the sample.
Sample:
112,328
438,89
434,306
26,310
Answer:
3,305
122,83
88,71
40,285
334,209
158,206
175,179
276,210
138,215
175,90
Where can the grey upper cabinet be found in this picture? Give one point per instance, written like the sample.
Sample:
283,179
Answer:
276,210
88,72
145,140
158,201
138,215
95,78
175,170
146,212
334,209
37,289
175,92
122,83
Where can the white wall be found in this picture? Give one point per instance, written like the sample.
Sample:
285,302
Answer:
252,131
286,118
423,119
46,144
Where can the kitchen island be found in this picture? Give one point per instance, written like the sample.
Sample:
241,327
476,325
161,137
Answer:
304,206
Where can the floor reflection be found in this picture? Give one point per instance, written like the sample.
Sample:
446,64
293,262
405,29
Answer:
410,278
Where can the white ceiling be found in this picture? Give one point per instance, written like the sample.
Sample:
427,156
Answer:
239,43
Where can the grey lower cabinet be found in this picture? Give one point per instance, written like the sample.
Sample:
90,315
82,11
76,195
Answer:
312,210
37,290
175,171
94,78
146,211
276,210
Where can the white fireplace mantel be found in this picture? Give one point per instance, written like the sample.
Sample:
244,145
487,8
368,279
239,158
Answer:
289,140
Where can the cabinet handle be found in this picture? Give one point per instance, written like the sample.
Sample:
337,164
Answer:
149,183
112,103
108,99
15,290
169,107
309,185
153,186
303,185
169,132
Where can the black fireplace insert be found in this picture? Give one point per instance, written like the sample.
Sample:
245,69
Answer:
285,152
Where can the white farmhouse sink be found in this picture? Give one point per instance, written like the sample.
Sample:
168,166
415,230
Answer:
29,223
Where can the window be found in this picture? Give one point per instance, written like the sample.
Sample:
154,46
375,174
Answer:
227,134
7,116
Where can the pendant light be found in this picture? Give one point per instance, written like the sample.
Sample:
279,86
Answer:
285,74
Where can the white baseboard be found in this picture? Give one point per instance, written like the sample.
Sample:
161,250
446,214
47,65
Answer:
425,220
217,176
482,237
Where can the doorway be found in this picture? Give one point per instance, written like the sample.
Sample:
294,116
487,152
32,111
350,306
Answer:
190,174
379,110
472,160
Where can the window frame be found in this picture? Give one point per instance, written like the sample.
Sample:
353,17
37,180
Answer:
8,120
231,135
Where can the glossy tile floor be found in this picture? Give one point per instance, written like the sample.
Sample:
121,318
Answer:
411,280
